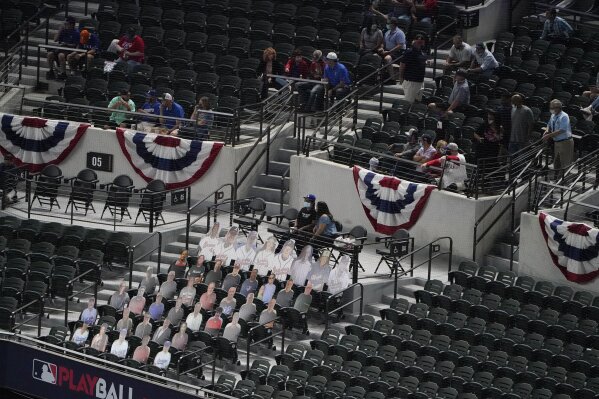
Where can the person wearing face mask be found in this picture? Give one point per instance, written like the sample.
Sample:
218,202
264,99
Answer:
454,167
426,151
306,217
489,137
296,66
371,37
460,55
412,68
522,122
559,130
483,63
460,95
394,42
310,94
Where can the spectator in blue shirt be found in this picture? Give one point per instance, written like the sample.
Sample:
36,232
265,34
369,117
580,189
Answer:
483,62
555,28
170,109
394,42
89,314
337,77
559,130
156,309
87,41
150,107
67,36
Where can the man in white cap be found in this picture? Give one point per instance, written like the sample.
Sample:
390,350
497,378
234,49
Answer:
170,109
337,77
454,167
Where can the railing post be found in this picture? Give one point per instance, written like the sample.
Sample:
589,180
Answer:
27,44
261,121
66,305
28,195
187,228
430,260
326,125
355,263
40,316
47,26
249,342
151,212
159,251
267,150
131,250
20,65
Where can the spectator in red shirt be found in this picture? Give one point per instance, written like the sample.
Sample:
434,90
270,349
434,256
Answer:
130,49
296,66
426,10
310,93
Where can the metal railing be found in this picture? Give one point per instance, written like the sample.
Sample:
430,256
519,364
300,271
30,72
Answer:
23,309
438,46
132,248
199,366
577,17
339,295
96,271
250,343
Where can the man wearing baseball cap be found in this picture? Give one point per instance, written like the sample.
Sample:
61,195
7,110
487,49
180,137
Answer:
150,107
170,109
67,36
453,165
121,103
89,41
337,77
306,217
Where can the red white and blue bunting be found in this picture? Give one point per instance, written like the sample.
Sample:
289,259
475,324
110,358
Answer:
390,203
573,247
177,162
37,142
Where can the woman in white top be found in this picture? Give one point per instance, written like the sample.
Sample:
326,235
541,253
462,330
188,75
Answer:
208,243
80,335
301,266
120,346
163,358
100,340
246,253
283,261
264,260
339,278
226,248
194,319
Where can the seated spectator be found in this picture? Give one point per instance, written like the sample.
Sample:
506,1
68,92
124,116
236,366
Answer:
593,91
89,314
163,358
250,285
265,256
138,302
208,298
180,339
175,315
483,63
233,329
204,120
426,10
268,315
119,299
319,274
394,43
156,308
373,164
209,242
145,327
306,217
215,275
296,66
214,324
122,102
270,66
80,335
285,296
179,266
592,110
283,260
460,95
169,109
337,77
267,290
402,10
188,293
149,108
88,41
490,138
460,55
426,151
197,270
194,319
130,48
248,309
168,289
67,36
556,28
228,303
120,347
339,278
440,148
125,323
232,279
142,352
149,282
245,254
311,94
325,227
100,340
371,37
162,333
225,249
303,300
301,266
454,167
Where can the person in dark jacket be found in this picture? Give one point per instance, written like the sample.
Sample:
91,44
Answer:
270,66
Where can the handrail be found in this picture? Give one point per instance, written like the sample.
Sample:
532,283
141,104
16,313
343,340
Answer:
283,190
568,11
249,344
188,354
22,308
70,284
328,312
439,45
150,251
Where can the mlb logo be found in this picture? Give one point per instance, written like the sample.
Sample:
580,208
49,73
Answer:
44,371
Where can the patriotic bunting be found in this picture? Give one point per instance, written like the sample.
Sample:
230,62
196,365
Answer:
573,247
36,142
177,162
390,204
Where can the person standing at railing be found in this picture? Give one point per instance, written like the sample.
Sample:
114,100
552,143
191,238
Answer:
89,41
67,36
556,28
170,109
270,66
337,77
311,93
522,122
395,42
412,68
559,130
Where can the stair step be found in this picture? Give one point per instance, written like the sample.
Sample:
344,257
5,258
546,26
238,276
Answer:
376,307
503,250
277,168
269,194
284,155
194,238
502,264
271,181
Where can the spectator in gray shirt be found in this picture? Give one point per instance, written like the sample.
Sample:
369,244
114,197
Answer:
162,333
303,300
214,276
460,95
232,329
144,328
522,124
232,279
125,323
248,309
319,275
119,299
229,303
268,315
175,315
285,297
168,289
149,281
250,285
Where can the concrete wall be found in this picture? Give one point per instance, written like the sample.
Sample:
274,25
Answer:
446,213
493,19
